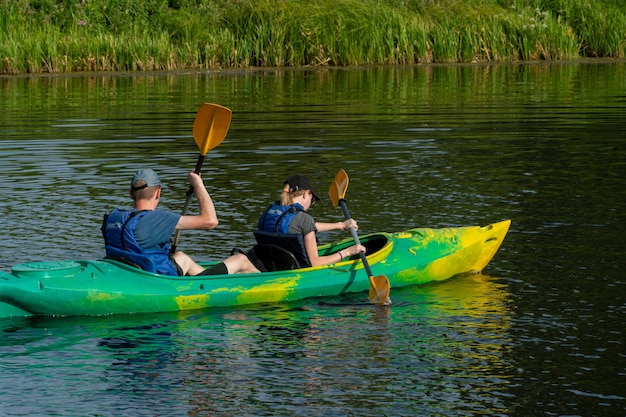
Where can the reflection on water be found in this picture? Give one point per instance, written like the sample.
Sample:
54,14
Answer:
428,146
435,351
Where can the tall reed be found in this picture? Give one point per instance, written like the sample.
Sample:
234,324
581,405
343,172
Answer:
144,35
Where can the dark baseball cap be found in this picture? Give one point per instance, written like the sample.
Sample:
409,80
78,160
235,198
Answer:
300,182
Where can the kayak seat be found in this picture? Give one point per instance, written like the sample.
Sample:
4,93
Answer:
124,261
290,242
274,257
147,265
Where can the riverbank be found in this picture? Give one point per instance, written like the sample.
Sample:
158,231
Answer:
46,36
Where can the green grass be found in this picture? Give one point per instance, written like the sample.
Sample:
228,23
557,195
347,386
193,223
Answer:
143,35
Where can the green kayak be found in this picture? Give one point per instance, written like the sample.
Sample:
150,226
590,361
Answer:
99,287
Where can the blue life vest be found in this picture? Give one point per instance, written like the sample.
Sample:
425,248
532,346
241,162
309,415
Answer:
118,230
273,229
276,218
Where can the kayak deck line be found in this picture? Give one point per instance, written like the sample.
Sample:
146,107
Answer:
101,287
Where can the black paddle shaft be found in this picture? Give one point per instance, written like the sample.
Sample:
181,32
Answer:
190,190
187,201
346,214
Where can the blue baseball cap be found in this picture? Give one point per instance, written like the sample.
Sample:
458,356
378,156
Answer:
147,176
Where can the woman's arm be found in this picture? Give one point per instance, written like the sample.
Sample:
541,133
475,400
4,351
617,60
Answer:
310,243
345,225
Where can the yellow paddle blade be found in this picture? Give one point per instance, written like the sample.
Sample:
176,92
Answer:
211,126
379,285
339,187
379,290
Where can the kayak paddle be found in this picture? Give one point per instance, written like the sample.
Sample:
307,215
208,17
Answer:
209,130
379,285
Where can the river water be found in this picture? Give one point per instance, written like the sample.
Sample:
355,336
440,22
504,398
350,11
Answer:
540,332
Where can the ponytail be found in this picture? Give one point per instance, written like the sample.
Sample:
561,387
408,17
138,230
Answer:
286,197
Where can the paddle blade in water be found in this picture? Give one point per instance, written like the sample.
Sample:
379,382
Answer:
338,187
379,290
211,126
379,285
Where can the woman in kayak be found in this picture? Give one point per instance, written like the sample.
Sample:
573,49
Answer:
142,236
286,223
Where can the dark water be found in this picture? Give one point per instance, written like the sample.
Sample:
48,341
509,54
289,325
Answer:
541,333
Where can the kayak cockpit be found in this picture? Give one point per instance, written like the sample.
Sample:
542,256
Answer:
373,243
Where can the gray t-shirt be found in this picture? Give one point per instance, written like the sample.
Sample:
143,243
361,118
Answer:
302,223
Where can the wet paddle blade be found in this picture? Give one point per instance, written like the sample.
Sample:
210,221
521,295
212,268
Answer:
211,126
339,187
379,290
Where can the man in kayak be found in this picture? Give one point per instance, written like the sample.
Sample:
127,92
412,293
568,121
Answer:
142,236
287,224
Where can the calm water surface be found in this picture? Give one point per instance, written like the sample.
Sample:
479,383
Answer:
540,333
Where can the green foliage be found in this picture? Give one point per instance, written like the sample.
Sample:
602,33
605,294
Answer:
110,35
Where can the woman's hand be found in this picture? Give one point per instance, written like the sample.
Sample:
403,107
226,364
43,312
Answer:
346,225
354,250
